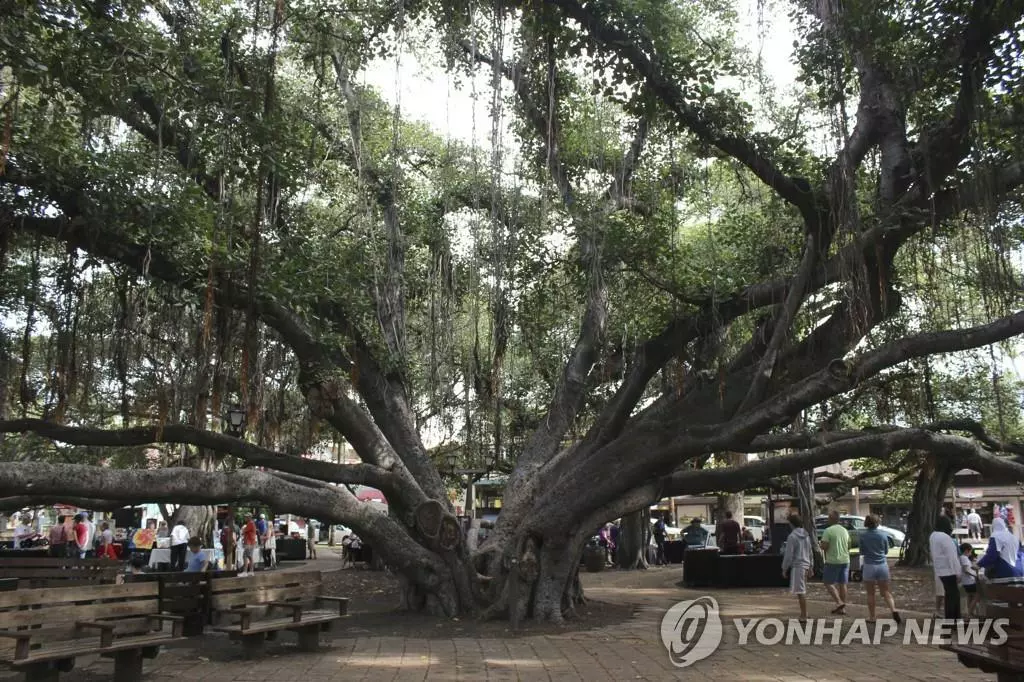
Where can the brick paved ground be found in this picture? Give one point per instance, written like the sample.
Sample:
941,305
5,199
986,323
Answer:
627,651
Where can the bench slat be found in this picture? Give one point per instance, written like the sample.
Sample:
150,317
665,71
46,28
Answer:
52,596
265,579
10,620
50,562
261,596
106,571
272,624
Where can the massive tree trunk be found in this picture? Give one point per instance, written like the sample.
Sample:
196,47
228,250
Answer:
199,519
932,485
634,537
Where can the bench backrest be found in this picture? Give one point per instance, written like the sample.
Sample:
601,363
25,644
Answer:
228,593
50,613
183,593
56,572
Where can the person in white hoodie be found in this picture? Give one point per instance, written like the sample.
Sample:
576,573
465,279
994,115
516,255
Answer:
946,564
797,562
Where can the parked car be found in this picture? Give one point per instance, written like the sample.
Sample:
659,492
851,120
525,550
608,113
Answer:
855,525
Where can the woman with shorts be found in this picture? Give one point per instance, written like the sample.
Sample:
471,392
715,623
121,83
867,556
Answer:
874,547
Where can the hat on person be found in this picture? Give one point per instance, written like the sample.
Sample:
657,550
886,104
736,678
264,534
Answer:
263,516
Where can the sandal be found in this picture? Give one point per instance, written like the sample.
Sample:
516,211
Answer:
839,610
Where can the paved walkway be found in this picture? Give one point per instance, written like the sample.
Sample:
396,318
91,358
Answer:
625,651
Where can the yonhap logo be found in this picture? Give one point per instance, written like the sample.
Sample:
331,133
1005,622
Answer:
691,631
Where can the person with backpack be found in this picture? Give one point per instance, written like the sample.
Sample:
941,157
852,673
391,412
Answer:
229,543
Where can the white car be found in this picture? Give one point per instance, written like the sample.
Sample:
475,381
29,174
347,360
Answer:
755,524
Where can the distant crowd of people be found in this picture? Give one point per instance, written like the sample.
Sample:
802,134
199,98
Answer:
80,538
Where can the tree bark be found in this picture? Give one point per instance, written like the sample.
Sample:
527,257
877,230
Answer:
932,484
634,536
199,519
803,482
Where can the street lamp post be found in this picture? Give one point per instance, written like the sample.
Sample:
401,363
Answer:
234,421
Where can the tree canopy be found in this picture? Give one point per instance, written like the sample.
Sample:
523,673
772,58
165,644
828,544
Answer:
204,204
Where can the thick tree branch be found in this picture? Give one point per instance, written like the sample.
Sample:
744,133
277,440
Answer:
253,455
191,486
782,323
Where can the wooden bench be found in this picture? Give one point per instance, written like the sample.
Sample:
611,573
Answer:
42,631
186,595
1004,600
250,608
59,572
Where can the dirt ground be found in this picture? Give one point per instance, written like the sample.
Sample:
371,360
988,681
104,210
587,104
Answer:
374,599
913,589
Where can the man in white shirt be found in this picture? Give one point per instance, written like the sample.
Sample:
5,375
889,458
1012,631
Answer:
945,553
179,546
21,532
974,525
90,538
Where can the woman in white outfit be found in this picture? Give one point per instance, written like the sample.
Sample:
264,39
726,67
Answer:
946,565
797,562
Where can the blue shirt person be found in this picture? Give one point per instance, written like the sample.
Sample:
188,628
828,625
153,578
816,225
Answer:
197,560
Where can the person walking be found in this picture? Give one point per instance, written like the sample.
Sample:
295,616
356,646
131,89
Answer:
229,543
659,540
946,565
81,536
973,525
269,547
311,537
91,539
729,535
874,550
250,541
1001,558
835,542
179,546
797,562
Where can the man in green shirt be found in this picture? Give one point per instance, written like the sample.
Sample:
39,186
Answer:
835,542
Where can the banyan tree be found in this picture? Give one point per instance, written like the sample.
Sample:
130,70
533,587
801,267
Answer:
645,256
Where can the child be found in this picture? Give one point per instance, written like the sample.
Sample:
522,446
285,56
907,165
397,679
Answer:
970,577
197,560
